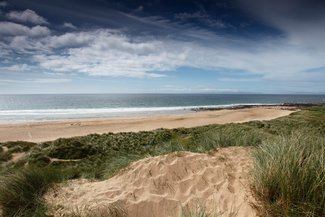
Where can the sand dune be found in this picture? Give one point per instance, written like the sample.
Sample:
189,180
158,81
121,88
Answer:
45,131
160,186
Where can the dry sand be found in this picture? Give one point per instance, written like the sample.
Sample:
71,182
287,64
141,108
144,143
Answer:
45,131
161,186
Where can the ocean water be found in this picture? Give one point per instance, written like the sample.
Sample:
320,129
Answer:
21,108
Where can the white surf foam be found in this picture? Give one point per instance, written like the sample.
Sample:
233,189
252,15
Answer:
50,114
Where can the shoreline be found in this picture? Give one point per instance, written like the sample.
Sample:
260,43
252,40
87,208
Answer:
51,130
59,114
153,113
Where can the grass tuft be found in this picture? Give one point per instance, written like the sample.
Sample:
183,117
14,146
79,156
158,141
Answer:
289,175
21,192
201,211
112,210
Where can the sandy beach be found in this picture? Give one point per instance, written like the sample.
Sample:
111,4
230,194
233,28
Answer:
51,130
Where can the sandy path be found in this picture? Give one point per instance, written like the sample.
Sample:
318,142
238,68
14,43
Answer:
160,186
45,131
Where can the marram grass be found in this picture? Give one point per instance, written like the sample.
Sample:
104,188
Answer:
289,175
21,192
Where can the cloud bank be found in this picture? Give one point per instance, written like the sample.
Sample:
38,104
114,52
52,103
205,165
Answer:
116,53
104,52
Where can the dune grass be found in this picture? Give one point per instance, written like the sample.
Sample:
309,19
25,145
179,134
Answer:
7,149
289,175
21,192
201,211
198,211
113,210
101,156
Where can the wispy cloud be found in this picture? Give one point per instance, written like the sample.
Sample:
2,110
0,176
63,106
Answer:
38,81
200,16
301,21
198,89
3,4
16,67
27,16
139,9
69,25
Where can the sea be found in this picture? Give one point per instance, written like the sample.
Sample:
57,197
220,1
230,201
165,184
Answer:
45,107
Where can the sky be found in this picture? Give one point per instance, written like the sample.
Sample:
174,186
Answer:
162,46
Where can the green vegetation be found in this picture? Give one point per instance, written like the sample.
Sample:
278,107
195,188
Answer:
289,175
113,210
289,159
7,149
116,211
21,192
198,211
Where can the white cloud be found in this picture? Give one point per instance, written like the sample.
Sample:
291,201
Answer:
22,38
69,40
16,67
69,25
39,31
22,43
14,29
27,16
110,54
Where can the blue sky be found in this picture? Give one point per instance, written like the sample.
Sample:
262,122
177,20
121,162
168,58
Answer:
170,46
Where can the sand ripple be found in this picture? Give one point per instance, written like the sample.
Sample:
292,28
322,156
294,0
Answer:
160,186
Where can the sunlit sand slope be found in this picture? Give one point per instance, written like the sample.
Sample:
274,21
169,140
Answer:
160,186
